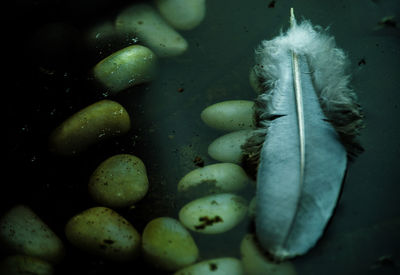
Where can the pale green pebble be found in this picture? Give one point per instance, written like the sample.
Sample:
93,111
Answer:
227,148
231,115
103,232
24,265
125,68
168,245
255,261
119,181
214,214
23,232
216,178
94,123
252,207
144,22
182,14
219,266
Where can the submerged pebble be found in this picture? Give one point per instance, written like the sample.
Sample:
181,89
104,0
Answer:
215,178
25,265
23,232
252,207
219,266
97,122
227,148
125,68
255,261
103,232
119,181
182,14
168,245
231,115
143,21
213,214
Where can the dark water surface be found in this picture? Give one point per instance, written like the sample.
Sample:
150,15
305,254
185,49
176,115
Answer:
48,79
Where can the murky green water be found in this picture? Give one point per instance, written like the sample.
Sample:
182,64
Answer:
168,135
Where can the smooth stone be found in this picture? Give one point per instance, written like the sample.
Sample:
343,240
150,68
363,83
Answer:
24,265
255,261
231,115
103,232
119,181
227,148
125,68
254,82
252,207
23,232
168,245
213,214
97,122
182,14
219,266
144,22
215,178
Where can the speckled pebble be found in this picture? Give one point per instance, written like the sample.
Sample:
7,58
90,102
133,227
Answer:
168,245
215,178
119,181
25,265
213,214
219,266
23,232
182,14
143,21
256,263
99,121
231,115
227,148
103,232
125,68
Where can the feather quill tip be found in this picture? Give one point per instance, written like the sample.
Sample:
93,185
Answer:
292,18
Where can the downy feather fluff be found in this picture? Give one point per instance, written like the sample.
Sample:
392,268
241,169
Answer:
308,118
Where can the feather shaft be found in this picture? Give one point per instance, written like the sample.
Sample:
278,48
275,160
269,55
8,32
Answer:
300,114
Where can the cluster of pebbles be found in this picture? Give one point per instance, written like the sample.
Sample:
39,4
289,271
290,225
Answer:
222,207
121,180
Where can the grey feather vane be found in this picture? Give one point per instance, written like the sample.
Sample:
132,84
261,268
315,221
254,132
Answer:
309,118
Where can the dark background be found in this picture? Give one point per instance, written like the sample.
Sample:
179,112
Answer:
46,78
